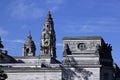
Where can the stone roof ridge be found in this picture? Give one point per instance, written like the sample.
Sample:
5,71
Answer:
83,38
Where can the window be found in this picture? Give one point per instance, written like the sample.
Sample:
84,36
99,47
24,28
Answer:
27,50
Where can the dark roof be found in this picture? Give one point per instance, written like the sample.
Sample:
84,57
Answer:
5,58
83,38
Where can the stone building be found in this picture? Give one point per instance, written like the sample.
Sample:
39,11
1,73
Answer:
84,58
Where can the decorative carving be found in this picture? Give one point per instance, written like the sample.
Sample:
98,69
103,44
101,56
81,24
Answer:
82,46
46,43
92,44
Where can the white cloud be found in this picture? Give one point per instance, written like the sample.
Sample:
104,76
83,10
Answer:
96,28
95,25
12,45
38,13
86,28
59,44
3,32
53,5
18,41
54,1
24,26
23,10
93,29
15,41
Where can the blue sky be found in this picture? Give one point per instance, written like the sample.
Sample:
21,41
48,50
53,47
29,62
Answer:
71,18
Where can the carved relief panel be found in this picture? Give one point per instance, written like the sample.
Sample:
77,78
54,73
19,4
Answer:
80,46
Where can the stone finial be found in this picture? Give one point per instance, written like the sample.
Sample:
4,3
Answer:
1,45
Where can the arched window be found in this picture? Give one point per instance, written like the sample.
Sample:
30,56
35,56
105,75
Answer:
27,50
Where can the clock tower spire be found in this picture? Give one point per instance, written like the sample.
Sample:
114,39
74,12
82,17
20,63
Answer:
48,39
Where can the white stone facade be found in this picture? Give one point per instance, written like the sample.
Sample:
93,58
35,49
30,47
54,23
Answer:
82,74
44,75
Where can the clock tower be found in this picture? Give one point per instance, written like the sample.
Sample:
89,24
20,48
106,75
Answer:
48,39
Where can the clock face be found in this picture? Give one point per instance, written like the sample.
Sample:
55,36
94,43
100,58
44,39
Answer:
82,46
46,43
